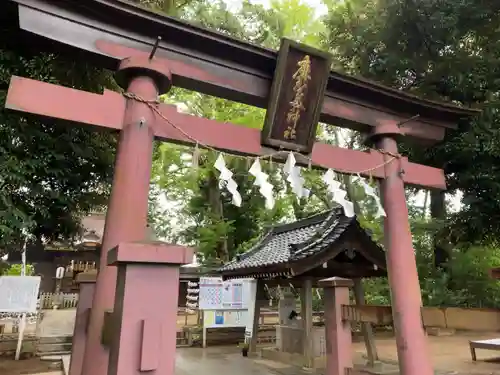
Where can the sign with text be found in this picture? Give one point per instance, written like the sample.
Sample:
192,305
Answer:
19,294
216,294
296,97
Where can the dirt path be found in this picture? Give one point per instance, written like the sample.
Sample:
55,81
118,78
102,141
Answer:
26,366
450,354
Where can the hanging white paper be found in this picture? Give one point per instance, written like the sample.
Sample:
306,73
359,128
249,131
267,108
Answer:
265,188
226,180
337,193
294,177
348,206
370,191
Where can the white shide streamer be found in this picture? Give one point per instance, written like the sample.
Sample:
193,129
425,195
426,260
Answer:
370,192
294,177
338,194
226,180
265,187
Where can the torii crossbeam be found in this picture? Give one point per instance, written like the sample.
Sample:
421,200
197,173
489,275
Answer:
113,33
108,110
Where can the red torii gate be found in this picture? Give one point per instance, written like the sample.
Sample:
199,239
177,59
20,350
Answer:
148,344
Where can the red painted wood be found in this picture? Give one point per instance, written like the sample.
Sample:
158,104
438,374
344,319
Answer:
150,345
338,335
406,301
336,110
30,96
126,217
148,291
81,326
159,252
48,100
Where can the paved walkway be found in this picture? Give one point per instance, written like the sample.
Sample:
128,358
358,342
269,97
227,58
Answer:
219,361
57,323
450,356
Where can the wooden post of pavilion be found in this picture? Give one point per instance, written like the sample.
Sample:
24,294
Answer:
366,327
306,313
259,293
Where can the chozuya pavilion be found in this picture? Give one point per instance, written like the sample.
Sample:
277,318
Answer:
298,256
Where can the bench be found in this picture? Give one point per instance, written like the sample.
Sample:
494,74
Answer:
491,344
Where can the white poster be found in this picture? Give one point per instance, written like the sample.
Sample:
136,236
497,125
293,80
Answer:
210,295
19,294
227,294
216,294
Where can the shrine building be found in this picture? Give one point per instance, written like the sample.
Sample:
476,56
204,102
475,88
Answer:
294,258
81,255
321,246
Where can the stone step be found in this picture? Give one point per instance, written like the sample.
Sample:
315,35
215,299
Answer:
53,349
55,340
62,344
46,356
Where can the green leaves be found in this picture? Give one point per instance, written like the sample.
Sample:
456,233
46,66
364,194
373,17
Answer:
442,50
50,173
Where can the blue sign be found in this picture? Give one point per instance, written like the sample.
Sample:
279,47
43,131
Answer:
219,317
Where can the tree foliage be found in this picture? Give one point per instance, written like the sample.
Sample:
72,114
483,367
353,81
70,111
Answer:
49,173
444,50
209,220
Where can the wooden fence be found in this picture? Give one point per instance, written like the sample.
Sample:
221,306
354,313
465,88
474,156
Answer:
443,317
62,300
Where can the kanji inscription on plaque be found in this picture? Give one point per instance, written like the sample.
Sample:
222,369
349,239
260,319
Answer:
296,97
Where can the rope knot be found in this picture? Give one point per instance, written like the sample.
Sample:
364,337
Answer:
394,155
132,96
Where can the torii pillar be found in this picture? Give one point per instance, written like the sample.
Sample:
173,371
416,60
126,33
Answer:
126,217
406,300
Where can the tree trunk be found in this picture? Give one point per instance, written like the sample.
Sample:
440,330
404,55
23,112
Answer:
441,246
217,213
426,203
346,179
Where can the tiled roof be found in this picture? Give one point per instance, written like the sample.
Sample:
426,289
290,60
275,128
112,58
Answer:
295,241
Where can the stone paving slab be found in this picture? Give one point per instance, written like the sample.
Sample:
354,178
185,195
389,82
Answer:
57,323
65,362
447,354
